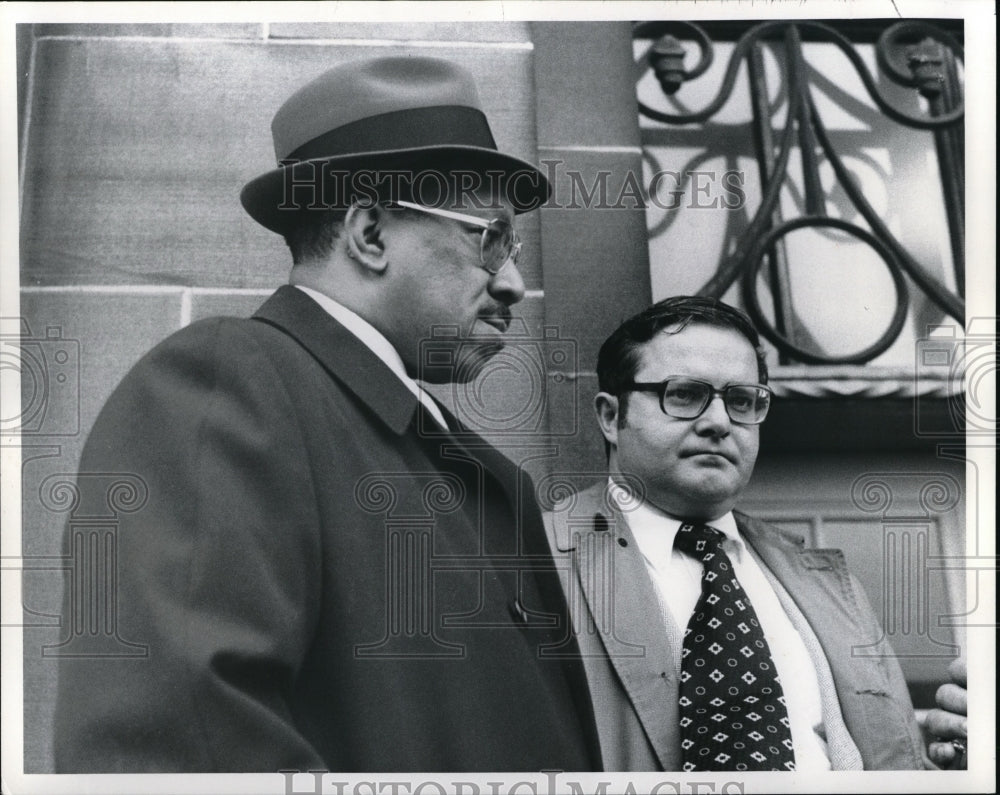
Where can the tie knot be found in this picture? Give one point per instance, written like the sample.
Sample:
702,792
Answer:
698,540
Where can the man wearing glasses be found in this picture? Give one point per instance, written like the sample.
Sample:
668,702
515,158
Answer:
712,641
300,480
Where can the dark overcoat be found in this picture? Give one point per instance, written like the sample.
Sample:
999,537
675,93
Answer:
319,584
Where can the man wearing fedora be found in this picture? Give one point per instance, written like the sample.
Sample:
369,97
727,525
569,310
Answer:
329,571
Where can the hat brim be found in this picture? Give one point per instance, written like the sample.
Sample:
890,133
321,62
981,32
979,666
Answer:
276,199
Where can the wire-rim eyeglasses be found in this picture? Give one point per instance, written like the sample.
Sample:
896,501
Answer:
499,244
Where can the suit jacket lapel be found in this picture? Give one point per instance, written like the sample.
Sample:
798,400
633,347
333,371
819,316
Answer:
627,616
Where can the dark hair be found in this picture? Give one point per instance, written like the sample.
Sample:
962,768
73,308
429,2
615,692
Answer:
618,359
312,235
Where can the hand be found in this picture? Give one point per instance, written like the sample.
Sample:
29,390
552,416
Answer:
948,722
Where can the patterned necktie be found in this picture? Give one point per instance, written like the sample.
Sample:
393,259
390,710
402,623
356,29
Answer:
732,707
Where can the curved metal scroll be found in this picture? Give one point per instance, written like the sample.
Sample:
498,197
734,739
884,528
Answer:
926,61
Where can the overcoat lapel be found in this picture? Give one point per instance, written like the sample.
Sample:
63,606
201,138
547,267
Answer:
533,553
860,660
818,581
627,616
342,354
354,364
467,443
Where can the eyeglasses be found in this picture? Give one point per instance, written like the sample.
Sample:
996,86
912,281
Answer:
499,244
687,398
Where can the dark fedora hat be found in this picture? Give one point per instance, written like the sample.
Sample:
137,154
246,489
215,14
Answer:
409,116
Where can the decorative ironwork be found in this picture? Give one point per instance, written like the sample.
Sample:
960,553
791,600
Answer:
911,53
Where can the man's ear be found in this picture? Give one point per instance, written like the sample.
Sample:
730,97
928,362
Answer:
363,227
606,408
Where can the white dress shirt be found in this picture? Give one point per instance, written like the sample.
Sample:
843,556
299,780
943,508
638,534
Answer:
378,344
677,577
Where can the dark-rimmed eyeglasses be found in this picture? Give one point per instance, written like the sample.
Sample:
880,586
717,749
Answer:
499,244
687,398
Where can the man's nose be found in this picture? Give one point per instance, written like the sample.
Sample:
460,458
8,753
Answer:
507,285
714,419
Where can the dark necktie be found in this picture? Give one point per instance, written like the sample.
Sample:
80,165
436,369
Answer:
732,707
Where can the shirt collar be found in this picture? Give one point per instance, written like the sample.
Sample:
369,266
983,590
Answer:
654,530
379,345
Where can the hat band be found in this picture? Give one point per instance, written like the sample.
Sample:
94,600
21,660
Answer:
413,128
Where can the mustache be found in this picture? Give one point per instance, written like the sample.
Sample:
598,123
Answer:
496,312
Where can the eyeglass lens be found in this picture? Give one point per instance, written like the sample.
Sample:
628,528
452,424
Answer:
687,399
498,245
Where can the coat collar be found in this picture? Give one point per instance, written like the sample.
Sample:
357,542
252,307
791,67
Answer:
346,357
798,569
354,364
592,509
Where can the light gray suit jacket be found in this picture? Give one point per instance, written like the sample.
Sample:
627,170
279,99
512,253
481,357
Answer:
632,661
